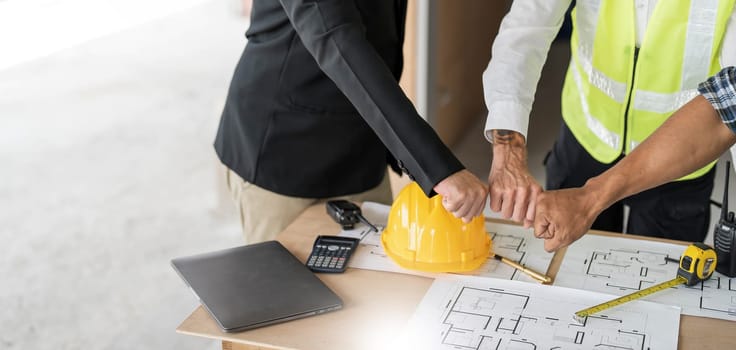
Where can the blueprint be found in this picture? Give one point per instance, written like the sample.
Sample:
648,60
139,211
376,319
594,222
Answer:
465,312
621,266
512,242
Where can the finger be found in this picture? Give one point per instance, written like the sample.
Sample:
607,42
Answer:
477,203
541,234
531,209
507,206
520,205
464,211
473,211
496,200
480,205
554,240
550,232
528,223
449,204
560,239
474,201
541,227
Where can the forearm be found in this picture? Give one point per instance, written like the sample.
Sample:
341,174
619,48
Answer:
508,146
689,139
333,32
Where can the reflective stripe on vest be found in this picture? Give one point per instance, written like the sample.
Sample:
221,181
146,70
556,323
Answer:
680,49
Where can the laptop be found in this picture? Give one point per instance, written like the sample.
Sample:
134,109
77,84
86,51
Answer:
254,286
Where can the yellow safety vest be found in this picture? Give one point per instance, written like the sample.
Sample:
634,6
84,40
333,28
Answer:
612,104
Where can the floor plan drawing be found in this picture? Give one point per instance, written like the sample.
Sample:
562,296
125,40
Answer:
509,241
621,266
465,312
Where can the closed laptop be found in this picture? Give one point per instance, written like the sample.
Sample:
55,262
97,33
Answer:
255,285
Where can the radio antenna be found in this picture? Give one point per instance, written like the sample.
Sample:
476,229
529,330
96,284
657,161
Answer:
724,208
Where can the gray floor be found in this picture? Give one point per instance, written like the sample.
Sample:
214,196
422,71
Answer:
108,172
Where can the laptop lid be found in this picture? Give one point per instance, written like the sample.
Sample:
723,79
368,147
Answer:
255,285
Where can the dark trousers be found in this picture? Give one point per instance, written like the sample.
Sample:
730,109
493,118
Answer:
678,210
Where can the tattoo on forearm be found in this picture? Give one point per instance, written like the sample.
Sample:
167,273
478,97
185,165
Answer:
501,136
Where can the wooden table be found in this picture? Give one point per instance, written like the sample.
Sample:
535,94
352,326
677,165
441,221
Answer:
377,306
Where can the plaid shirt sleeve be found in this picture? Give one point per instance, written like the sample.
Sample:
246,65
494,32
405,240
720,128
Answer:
720,91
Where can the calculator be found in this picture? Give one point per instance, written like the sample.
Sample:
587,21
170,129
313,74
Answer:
331,253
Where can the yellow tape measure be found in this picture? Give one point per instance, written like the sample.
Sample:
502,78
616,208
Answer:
696,265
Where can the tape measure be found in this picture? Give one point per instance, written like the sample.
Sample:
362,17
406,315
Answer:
696,265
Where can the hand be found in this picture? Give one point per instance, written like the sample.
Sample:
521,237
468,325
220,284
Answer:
463,195
563,216
513,190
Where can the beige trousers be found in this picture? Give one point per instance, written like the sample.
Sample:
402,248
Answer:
264,214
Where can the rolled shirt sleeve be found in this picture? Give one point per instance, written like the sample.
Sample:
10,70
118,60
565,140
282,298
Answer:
518,55
720,91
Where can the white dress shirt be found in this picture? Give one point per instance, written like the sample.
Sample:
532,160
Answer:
520,50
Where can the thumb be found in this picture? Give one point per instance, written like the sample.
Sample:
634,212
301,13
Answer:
551,244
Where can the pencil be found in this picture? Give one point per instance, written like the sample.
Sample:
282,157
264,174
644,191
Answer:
536,275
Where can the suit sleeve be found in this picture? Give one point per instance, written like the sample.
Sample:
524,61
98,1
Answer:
333,32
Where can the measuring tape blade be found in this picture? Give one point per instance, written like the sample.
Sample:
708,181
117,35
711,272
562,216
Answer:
582,314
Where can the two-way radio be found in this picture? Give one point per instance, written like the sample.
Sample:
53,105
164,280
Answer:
347,214
724,237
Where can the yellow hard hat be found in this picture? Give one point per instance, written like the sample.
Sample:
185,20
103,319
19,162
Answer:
422,235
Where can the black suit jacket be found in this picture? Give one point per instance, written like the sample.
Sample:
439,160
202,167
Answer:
315,98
